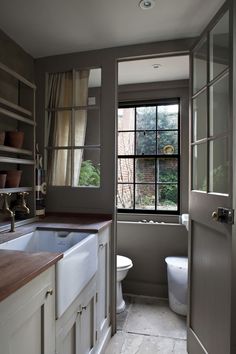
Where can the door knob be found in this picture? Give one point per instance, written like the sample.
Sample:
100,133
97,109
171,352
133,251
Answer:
223,215
214,215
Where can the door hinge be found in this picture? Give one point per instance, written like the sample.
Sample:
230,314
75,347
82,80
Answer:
96,297
96,336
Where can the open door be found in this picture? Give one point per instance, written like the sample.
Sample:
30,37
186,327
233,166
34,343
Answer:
210,320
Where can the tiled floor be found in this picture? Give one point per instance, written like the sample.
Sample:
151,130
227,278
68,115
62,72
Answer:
148,326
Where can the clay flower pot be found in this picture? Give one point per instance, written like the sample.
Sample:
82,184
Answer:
2,179
2,137
14,139
13,178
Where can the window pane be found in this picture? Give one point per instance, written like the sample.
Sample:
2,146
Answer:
86,168
219,162
60,91
200,117
146,143
145,196
219,106
167,197
92,127
200,66
125,196
146,118
81,83
199,163
219,47
59,167
59,128
167,170
126,118
125,170
145,170
168,116
125,143
167,142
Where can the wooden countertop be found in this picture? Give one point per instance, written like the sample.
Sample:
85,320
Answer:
18,268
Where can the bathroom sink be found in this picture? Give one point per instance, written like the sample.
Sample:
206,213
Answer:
74,270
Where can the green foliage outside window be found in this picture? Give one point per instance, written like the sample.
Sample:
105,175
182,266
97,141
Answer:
89,174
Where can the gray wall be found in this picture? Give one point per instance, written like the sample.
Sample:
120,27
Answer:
147,245
101,199
12,55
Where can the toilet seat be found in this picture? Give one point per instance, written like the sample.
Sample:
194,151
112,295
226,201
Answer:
123,262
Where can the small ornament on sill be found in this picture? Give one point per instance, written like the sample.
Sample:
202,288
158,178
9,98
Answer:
40,185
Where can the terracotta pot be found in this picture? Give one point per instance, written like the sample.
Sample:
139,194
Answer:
2,138
14,139
13,178
2,179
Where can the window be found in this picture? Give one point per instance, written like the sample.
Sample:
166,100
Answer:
73,128
148,157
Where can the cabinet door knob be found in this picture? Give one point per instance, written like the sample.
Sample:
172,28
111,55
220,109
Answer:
49,292
84,307
101,245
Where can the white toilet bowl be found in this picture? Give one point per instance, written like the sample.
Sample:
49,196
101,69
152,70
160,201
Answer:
123,264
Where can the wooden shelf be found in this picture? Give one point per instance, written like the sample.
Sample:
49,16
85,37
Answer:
16,160
15,150
16,190
16,116
15,107
17,76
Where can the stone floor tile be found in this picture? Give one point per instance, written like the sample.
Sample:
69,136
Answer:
154,317
127,343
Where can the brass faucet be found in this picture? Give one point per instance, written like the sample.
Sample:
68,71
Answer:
20,203
6,211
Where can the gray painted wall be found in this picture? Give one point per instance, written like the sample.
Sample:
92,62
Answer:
147,245
15,57
101,199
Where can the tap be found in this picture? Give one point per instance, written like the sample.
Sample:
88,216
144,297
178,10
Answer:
20,203
6,211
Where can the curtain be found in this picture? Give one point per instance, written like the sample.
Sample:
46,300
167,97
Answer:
59,125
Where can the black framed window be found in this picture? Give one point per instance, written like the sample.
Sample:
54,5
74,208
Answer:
148,157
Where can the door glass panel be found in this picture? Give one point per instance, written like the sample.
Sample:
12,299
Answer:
199,172
86,168
200,116
219,47
200,66
219,106
218,166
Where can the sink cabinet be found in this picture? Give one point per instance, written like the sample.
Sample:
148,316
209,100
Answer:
27,320
103,283
76,329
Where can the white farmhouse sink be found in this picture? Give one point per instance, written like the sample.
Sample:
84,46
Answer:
74,270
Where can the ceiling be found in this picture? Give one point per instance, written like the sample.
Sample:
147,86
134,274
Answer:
49,27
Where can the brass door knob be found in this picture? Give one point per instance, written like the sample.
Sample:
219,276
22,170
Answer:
214,215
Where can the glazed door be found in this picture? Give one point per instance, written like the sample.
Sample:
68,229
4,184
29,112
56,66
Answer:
211,194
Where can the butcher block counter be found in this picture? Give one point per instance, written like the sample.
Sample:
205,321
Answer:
18,268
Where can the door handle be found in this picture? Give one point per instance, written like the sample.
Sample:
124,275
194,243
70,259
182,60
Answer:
223,215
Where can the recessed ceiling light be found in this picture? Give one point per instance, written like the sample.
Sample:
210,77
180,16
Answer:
146,4
156,66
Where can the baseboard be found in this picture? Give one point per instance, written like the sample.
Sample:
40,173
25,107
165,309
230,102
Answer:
146,289
103,343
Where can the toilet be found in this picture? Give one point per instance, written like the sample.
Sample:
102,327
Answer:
123,264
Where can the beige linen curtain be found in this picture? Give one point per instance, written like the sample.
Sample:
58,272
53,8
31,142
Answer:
59,126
